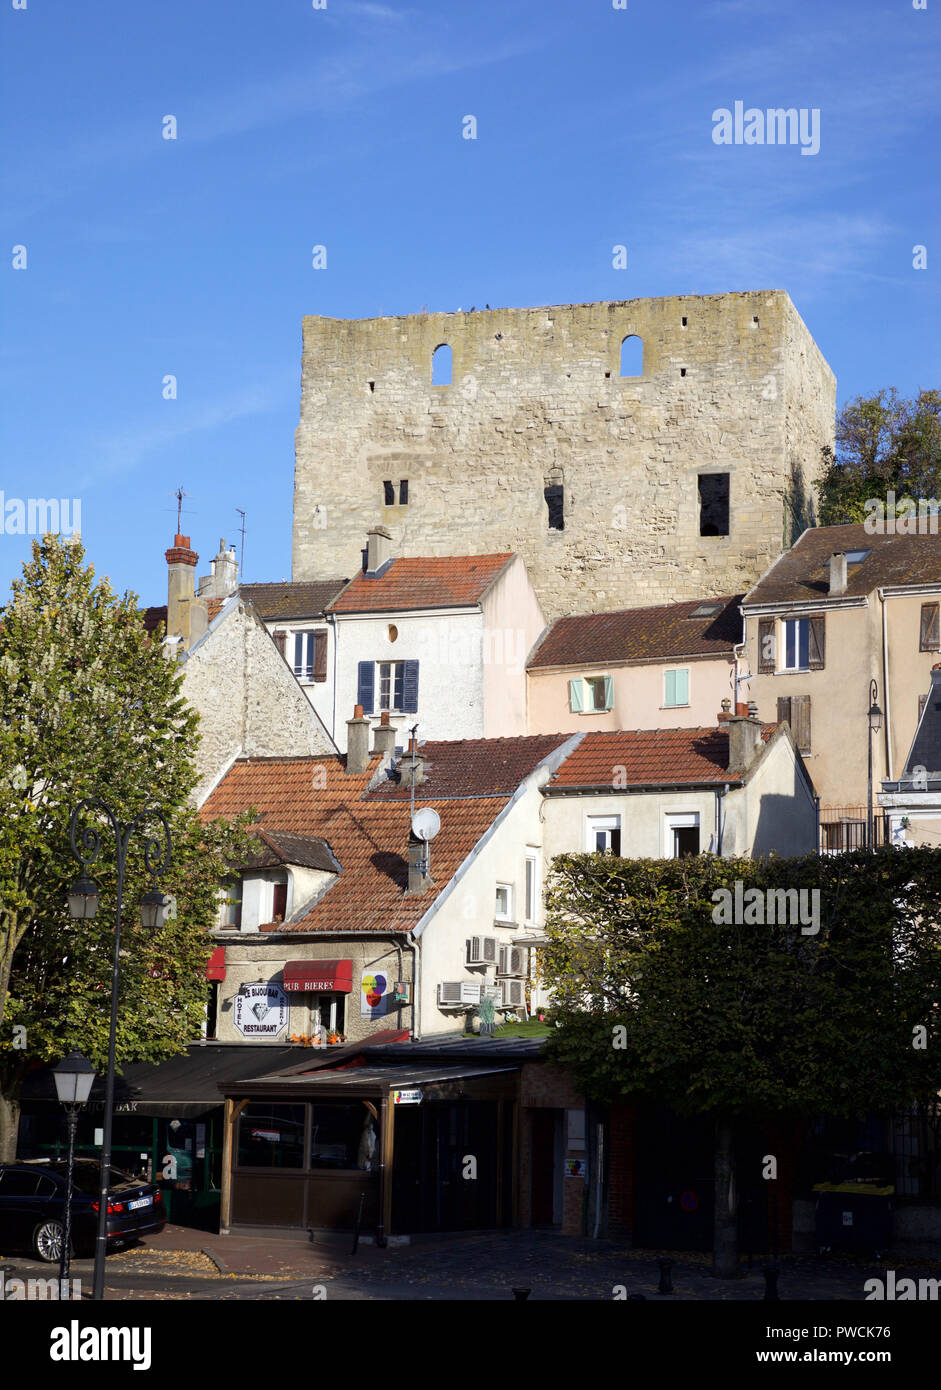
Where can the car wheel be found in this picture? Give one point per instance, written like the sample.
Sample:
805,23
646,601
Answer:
47,1241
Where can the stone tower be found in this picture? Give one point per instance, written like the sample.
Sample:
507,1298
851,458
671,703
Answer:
658,484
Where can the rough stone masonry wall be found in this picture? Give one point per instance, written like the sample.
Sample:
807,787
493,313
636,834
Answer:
536,390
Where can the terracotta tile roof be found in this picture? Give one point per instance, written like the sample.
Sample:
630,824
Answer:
153,617
304,599
649,757
802,573
430,581
214,607
281,847
368,832
471,767
665,633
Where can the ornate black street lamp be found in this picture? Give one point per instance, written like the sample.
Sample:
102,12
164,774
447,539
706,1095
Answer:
73,1077
83,904
875,724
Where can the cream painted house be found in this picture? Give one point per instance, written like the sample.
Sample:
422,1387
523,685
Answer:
842,622
667,667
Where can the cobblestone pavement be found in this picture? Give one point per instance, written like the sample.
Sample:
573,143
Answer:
181,1263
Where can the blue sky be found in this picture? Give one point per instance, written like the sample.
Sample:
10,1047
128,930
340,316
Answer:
342,127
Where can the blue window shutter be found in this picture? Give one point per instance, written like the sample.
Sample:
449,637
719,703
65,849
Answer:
410,699
682,687
365,686
575,695
669,688
609,692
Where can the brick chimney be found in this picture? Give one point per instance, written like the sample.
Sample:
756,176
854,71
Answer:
378,549
357,743
838,574
187,615
384,737
744,740
224,579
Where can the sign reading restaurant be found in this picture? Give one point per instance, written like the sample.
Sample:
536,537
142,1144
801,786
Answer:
261,1011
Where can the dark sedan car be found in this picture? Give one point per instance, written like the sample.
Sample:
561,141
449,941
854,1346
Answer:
32,1205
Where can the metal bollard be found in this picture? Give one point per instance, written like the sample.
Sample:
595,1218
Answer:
666,1283
771,1272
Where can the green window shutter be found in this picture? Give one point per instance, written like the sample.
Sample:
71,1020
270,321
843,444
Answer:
669,688
682,687
575,695
609,692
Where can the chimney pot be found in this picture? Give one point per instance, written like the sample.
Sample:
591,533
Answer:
744,741
357,743
378,548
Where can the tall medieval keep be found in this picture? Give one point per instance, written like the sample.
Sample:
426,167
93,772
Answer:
633,452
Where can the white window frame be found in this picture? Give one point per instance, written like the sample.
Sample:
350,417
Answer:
532,857
497,915
679,820
595,823
783,647
668,670
392,707
306,634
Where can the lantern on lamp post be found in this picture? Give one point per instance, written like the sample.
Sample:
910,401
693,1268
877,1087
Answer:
73,1077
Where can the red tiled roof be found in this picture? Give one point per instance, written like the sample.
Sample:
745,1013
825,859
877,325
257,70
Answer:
665,632
802,574
368,833
649,757
472,767
429,581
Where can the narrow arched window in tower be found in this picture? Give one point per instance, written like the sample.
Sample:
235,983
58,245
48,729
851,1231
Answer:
632,356
554,494
441,365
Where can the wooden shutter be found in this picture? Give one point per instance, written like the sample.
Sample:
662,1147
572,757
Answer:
682,687
365,685
281,642
928,641
922,701
320,655
800,708
816,645
609,692
765,644
410,688
784,710
575,695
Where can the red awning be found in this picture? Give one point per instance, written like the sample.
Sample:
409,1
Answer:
319,976
215,969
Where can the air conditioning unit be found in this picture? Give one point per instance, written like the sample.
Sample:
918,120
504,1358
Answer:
454,993
482,950
514,961
514,994
495,991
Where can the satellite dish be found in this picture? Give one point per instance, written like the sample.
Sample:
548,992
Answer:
426,823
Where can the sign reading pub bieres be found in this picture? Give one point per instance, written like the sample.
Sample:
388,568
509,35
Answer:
261,1011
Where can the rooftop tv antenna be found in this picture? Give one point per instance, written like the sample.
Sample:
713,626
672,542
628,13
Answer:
242,556
179,495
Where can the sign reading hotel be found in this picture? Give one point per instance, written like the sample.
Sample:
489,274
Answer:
261,1011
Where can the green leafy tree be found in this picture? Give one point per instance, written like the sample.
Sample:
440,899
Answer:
91,707
884,443
655,1000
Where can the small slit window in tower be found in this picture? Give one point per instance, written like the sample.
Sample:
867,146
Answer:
441,365
682,371
713,504
632,356
555,501
388,489
372,386
403,492
685,320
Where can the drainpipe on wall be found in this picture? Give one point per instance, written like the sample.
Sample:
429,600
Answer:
720,797
817,820
885,687
415,943
332,620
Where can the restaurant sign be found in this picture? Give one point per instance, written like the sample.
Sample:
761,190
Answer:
261,1011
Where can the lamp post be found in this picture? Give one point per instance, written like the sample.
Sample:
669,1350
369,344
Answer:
73,1077
83,904
875,724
